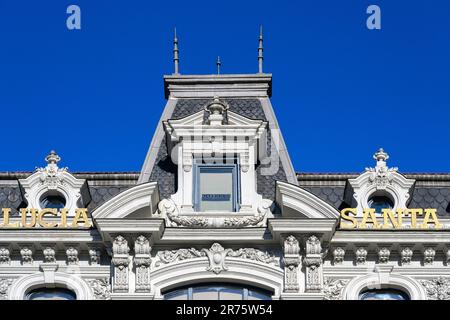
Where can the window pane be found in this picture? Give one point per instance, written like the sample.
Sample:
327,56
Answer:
218,291
205,293
216,189
383,294
51,294
181,294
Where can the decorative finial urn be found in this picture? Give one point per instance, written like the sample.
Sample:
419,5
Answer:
52,158
381,155
216,110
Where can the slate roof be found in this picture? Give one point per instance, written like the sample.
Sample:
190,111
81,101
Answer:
164,171
432,190
102,187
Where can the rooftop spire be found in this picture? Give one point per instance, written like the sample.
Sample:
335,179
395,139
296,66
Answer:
175,52
260,50
218,64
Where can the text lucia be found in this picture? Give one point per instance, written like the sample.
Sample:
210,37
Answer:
389,219
31,218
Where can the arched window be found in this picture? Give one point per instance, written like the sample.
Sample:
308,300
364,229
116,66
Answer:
51,294
383,294
218,291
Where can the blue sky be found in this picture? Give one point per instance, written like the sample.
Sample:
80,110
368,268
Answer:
340,91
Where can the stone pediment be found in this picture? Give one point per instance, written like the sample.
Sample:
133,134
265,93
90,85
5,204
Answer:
297,202
139,201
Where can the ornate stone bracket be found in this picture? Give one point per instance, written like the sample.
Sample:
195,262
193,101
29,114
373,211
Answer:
26,255
291,264
120,260
5,256
313,262
142,260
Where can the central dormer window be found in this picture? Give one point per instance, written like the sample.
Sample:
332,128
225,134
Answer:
216,186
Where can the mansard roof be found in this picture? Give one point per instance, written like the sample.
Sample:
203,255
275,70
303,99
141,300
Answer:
164,170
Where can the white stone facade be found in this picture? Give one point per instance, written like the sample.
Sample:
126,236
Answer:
140,244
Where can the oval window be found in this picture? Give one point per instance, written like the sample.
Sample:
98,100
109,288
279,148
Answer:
380,202
53,201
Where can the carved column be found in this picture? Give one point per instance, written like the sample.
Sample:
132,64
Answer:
120,260
291,264
313,264
142,261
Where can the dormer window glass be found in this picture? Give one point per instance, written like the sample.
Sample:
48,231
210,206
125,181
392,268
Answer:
216,187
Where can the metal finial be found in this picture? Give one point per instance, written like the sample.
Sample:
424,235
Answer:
218,64
175,52
260,50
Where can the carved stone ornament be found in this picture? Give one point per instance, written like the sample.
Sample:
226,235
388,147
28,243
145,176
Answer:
437,289
216,256
169,256
255,254
381,174
428,256
313,261
94,256
291,263
72,256
5,256
332,288
142,261
447,257
361,256
101,288
168,209
26,255
338,255
4,287
49,255
406,256
121,260
383,255
51,174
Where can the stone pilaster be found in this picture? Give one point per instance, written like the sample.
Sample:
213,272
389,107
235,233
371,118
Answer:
291,264
121,261
142,260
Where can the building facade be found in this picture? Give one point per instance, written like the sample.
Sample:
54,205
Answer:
218,212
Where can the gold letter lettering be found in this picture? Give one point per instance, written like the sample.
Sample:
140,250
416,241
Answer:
81,214
23,213
369,217
6,224
389,215
432,213
43,212
345,215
